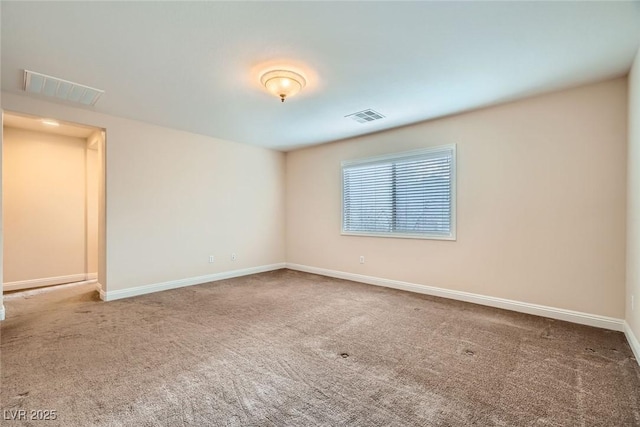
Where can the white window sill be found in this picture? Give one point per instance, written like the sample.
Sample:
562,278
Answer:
401,235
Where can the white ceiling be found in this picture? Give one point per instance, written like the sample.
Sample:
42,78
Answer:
195,65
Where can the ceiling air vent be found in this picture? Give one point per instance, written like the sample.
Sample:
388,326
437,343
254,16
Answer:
61,89
365,116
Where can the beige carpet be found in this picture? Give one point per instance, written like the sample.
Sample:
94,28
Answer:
288,348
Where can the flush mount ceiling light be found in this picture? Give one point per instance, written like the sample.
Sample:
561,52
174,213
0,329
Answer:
283,83
50,122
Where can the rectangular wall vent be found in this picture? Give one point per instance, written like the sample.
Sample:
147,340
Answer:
365,116
61,89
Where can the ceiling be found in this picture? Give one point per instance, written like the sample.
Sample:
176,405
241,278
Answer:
40,125
195,66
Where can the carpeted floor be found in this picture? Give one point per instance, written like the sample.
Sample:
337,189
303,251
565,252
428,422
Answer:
288,348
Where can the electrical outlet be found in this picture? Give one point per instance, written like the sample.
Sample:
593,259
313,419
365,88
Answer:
211,258
233,256
361,259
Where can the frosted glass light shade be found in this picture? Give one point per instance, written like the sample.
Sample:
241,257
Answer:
282,83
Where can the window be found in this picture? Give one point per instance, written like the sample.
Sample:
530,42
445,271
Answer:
401,195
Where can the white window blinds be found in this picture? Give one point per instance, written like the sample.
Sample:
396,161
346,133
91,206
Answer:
404,195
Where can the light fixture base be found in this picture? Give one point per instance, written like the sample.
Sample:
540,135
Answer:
283,83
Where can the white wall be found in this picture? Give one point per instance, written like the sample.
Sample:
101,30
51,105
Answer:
541,203
173,198
633,197
43,207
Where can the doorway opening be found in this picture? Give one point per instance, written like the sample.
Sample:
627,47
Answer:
53,208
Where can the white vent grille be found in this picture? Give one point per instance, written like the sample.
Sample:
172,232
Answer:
61,89
365,116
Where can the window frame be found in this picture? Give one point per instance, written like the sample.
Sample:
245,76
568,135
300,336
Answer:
405,155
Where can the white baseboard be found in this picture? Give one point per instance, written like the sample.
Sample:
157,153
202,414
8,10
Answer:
1,312
522,307
45,289
173,284
48,281
633,341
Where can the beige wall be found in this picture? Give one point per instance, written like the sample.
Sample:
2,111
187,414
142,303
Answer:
2,311
541,202
540,197
633,197
102,212
43,206
93,177
173,198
